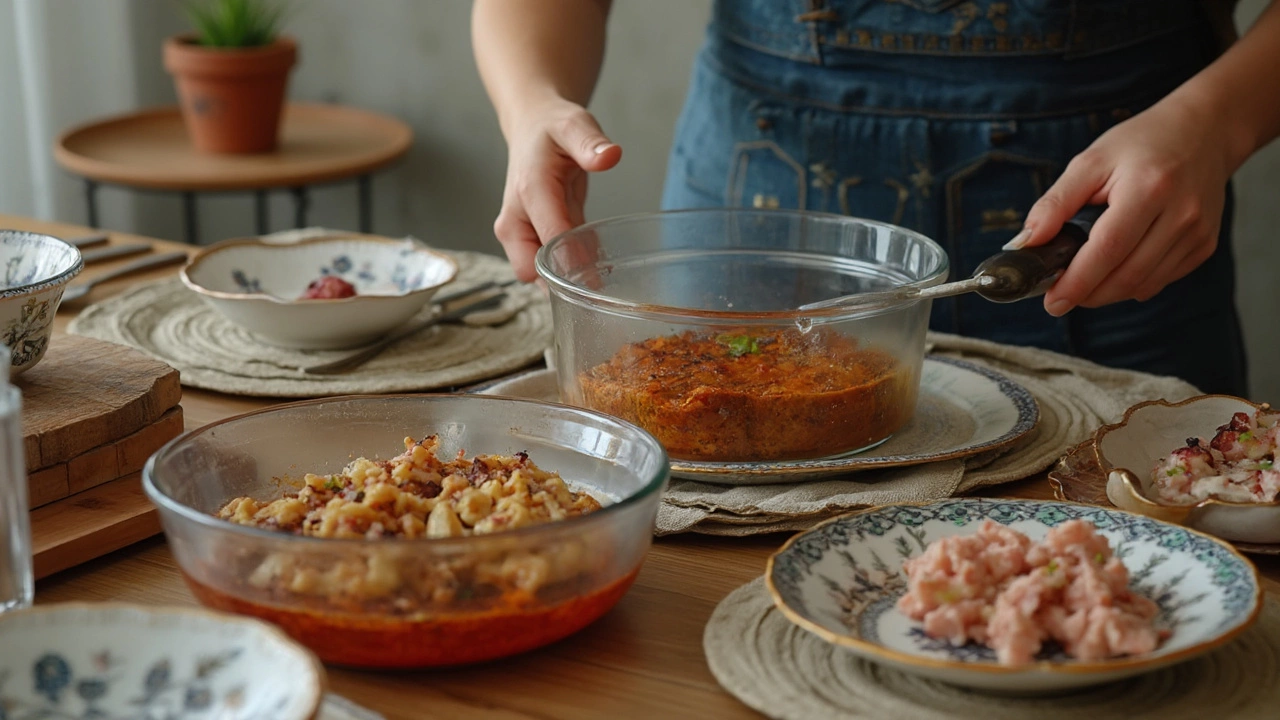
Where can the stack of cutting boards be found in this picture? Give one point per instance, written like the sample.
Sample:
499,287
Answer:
92,413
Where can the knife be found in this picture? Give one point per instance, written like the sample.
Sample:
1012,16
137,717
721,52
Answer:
114,251
360,357
75,292
89,240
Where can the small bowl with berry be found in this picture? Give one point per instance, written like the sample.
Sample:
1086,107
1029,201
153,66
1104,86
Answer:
322,293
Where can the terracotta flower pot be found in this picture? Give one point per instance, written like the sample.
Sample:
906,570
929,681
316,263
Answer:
231,97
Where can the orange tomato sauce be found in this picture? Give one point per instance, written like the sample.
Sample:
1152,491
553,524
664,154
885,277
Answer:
776,395
380,641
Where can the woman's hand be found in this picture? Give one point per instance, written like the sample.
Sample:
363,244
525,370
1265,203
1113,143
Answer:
1163,175
549,156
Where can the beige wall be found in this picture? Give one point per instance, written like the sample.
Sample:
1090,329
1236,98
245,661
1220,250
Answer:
412,58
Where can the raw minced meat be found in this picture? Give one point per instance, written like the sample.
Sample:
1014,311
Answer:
998,588
1237,465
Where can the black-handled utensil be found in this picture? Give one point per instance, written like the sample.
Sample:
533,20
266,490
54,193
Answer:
112,252
89,240
1007,276
361,357
79,290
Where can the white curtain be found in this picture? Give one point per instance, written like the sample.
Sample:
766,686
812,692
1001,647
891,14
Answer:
62,63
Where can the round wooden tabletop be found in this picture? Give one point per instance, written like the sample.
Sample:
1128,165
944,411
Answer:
150,149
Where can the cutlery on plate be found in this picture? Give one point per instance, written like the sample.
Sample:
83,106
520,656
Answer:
89,240
442,300
75,292
1005,277
360,357
114,251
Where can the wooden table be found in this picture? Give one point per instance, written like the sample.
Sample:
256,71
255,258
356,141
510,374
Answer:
319,144
642,660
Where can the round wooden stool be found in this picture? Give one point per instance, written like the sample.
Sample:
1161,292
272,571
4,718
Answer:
319,144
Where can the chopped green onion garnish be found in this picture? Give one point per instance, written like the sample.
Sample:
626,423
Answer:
740,345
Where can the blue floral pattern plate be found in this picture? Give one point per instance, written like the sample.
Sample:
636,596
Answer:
122,662
841,580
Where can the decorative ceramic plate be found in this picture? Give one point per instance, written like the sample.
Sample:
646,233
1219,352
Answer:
841,580
116,662
963,410
1078,478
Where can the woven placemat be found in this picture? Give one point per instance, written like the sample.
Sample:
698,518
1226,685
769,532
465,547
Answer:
786,672
171,323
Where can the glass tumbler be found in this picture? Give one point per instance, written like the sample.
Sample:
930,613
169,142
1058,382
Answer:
17,585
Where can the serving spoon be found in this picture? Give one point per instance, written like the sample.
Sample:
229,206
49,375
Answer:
1005,277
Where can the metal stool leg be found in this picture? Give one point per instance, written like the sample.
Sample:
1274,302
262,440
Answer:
301,200
190,227
261,212
91,201
365,189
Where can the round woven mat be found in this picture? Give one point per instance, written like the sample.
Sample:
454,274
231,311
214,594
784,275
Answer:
786,672
173,324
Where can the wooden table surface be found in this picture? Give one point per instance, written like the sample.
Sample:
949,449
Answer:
318,143
642,660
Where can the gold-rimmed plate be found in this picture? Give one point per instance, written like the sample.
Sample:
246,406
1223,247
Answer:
841,580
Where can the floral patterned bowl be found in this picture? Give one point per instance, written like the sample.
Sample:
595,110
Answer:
841,579
111,662
34,271
258,284
1128,450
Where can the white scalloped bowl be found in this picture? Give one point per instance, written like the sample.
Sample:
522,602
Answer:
257,285
115,661
1128,450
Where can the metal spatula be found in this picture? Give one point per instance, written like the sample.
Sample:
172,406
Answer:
1005,277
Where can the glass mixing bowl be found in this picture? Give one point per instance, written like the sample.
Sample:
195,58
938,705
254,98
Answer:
686,323
410,603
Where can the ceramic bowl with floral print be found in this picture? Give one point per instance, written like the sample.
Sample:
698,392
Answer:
111,662
34,271
841,581
261,286
1128,452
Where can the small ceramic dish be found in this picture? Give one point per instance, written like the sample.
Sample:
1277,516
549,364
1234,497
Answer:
1128,450
34,272
841,579
258,285
115,661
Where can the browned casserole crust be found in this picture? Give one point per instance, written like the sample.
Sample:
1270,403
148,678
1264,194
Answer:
776,395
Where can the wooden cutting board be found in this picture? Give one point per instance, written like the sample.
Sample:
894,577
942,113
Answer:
86,394
91,524
116,459
92,413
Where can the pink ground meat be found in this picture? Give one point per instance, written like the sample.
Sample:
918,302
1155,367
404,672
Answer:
998,588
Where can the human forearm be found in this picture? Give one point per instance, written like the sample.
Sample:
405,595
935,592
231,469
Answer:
531,52
1240,92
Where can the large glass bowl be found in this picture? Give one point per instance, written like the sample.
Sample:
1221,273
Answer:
687,323
586,562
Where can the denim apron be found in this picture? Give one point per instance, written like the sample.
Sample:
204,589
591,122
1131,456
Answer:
951,117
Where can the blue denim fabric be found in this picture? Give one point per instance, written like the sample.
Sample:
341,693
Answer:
951,117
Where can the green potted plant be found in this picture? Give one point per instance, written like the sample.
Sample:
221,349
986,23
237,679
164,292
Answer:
231,74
